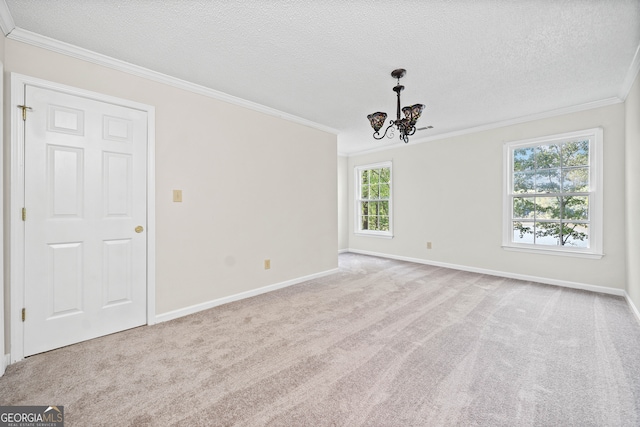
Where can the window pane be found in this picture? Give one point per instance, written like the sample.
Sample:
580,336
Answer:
523,232
523,182
575,153
548,181
523,159
523,207
547,207
373,208
384,223
375,176
373,222
365,192
547,157
575,180
384,191
385,175
576,207
547,233
374,191
383,208
576,235
364,177
365,208
364,223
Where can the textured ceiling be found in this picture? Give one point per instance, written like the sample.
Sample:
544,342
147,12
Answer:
471,62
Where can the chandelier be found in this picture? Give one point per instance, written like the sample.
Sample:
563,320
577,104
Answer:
405,126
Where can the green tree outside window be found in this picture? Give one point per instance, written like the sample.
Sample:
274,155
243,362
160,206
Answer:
551,194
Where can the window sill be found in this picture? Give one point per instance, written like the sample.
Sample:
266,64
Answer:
558,252
377,235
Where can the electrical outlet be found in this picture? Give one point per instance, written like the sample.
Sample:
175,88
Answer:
267,264
428,245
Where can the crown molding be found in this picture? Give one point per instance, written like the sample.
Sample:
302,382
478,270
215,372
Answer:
28,37
524,119
630,78
6,20
8,27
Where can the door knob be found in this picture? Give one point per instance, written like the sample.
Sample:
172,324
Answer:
139,229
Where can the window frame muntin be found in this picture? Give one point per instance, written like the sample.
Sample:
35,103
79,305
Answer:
358,199
596,179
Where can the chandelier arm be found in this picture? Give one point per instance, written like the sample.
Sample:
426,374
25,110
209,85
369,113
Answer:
392,126
412,131
385,132
392,133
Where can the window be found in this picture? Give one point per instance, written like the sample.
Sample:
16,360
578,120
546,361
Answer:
373,199
554,193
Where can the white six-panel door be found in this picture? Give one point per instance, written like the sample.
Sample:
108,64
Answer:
85,199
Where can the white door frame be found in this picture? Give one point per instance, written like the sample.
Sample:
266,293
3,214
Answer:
16,200
3,360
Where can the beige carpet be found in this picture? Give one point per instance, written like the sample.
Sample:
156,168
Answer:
382,343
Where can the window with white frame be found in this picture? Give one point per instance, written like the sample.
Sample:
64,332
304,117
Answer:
373,199
553,194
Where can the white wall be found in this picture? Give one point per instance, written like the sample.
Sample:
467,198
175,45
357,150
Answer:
632,169
254,186
343,203
449,192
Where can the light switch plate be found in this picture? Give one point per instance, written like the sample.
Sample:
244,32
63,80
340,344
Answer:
177,195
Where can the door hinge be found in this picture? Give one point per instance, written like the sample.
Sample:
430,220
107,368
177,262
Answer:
24,214
24,314
24,111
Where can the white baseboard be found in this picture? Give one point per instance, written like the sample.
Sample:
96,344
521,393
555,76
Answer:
342,251
633,307
545,280
6,361
242,295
